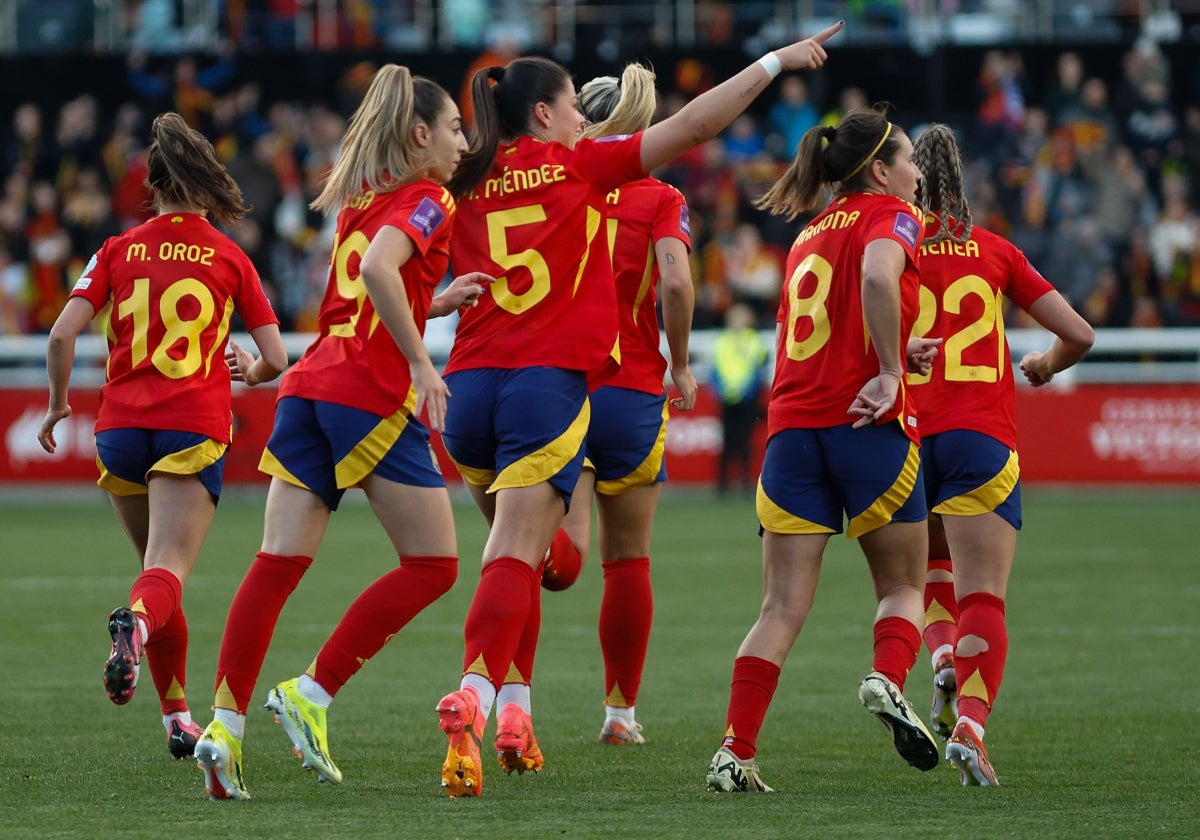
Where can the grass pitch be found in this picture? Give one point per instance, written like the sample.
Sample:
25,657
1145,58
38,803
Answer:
1094,733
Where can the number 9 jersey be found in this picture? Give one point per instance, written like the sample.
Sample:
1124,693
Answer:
174,283
824,355
963,286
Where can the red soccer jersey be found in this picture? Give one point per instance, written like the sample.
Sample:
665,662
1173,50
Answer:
639,214
174,283
962,290
535,224
824,355
355,361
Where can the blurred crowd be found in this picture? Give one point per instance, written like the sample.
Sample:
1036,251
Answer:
1098,182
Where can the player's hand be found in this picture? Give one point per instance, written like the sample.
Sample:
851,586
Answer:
808,54
465,290
431,392
686,383
1037,373
875,399
46,430
920,353
238,362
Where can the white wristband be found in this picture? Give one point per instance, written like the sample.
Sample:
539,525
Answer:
771,63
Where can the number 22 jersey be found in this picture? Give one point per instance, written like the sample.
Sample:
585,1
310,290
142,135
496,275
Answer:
174,283
963,285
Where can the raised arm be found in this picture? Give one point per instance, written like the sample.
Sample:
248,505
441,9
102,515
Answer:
709,113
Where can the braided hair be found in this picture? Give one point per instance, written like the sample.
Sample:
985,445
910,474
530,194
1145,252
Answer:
941,191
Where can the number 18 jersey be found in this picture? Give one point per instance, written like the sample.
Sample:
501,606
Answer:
824,355
174,283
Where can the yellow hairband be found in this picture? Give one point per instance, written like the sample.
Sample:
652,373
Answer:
871,156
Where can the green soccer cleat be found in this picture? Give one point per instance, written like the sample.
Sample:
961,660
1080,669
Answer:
304,722
219,756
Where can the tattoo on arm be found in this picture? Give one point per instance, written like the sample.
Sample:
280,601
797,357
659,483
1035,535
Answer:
670,260
748,91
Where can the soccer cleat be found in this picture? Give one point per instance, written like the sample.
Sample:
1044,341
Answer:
729,774
219,756
943,712
619,732
304,723
182,738
516,748
965,751
882,698
458,717
121,669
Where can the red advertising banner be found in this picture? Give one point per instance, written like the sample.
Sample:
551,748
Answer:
1092,433
1110,433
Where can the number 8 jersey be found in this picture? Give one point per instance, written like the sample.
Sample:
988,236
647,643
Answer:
174,283
824,354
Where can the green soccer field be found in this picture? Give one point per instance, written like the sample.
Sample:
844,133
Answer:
1094,734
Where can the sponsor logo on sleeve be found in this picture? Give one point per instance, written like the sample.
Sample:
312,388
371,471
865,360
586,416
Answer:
907,228
427,216
685,221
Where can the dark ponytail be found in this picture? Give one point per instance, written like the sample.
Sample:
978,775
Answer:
504,98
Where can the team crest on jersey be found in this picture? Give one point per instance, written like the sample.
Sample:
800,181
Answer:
907,228
427,216
685,221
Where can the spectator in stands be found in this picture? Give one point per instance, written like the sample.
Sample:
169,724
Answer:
753,274
1065,92
790,116
1175,247
26,147
188,91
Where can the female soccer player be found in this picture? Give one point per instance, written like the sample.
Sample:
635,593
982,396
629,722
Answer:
649,236
969,440
347,417
848,303
165,410
524,359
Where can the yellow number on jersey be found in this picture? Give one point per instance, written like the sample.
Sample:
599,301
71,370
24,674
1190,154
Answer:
811,307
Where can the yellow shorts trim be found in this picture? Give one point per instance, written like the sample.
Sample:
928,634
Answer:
988,497
646,473
775,519
882,509
543,464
